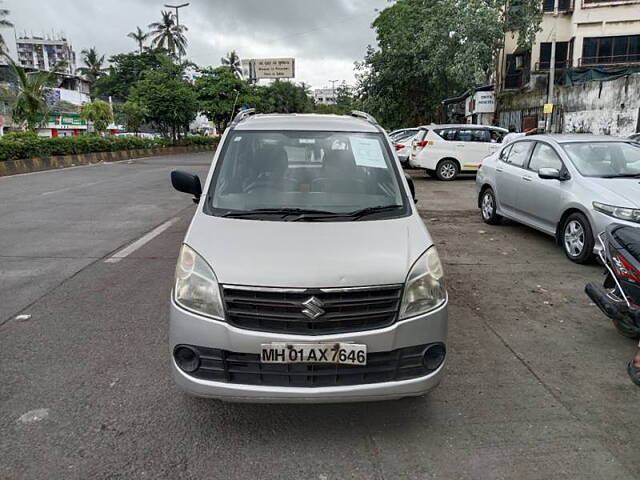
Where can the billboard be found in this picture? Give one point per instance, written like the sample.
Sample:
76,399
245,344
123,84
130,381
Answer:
269,68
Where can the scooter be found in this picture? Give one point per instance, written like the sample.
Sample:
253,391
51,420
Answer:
619,297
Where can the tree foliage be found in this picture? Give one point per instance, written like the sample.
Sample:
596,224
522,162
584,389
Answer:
93,67
429,50
139,36
132,115
97,113
30,107
170,101
221,93
128,68
168,34
232,60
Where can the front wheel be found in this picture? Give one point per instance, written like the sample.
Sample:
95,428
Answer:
447,170
577,238
488,207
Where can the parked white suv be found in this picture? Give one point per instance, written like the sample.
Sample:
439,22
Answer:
445,151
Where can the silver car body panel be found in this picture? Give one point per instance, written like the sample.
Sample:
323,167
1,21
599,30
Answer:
526,198
306,255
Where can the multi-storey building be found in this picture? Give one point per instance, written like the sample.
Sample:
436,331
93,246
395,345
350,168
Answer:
596,37
44,53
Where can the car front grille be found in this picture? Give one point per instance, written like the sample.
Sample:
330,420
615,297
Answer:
246,369
340,310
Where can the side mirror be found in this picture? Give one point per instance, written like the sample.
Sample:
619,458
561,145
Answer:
549,174
187,183
412,187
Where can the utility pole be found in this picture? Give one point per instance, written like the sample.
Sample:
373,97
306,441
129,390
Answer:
552,66
177,9
333,88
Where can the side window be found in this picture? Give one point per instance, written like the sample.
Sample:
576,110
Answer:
544,156
448,134
464,135
481,136
505,153
519,153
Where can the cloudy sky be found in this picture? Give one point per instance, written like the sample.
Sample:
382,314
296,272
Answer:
325,36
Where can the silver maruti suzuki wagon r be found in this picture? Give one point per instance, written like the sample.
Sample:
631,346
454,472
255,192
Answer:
307,274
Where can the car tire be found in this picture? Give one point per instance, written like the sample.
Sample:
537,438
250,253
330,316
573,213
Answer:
447,170
489,206
430,173
576,238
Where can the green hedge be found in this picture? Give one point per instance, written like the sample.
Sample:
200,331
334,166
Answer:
19,145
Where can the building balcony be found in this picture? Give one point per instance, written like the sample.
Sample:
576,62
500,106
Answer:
560,65
564,6
516,80
609,60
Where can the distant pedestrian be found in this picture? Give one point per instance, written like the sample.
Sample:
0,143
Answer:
513,134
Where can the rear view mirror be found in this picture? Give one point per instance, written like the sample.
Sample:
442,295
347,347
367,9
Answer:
549,174
187,183
412,187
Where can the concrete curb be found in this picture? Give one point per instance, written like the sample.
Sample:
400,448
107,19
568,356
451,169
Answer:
14,167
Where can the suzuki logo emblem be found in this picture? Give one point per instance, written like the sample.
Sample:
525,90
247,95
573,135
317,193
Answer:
313,308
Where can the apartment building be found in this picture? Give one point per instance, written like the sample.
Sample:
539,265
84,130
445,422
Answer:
590,35
45,53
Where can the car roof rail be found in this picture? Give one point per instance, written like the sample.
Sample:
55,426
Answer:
242,114
365,116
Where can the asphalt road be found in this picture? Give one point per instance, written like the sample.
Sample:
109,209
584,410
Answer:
535,388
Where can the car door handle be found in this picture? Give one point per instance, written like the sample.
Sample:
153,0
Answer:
499,170
527,178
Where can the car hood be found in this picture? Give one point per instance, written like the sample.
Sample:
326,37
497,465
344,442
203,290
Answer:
308,254
621,192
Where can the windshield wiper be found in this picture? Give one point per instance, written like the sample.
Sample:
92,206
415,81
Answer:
624,175
355,215
284,212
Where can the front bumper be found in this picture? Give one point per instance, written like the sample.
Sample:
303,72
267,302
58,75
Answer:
187,328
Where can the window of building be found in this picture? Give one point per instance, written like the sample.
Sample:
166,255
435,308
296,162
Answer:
563,5
562,55
611,50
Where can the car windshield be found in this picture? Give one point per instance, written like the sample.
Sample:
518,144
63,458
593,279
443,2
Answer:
315,176
605,159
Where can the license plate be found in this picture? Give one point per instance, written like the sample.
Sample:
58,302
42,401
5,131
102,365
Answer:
331,353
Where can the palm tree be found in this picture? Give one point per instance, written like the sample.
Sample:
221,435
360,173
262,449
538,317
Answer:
4,23
166,33
139,37
93,68
30,108
232,60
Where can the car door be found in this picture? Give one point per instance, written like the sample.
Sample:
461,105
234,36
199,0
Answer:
465,148
510,169
540,200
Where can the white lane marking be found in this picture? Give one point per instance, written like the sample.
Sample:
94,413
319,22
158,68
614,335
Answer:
128,250
83,185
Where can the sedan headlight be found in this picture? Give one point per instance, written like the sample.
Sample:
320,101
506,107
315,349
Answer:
622,213
196,286
425,288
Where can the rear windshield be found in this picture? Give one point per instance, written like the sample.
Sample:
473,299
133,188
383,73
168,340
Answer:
294,175
605,159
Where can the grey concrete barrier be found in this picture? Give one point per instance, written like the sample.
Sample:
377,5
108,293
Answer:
14,167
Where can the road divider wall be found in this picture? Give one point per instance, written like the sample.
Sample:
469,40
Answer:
14,167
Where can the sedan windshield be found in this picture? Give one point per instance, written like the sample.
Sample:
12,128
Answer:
605,159
306,176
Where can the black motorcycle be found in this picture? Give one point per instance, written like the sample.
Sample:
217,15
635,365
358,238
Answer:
619,297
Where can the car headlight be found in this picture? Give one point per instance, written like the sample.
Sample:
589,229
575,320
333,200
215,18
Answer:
196,287
622,213
425,287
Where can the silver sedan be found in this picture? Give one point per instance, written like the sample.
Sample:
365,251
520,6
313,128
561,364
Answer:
568,186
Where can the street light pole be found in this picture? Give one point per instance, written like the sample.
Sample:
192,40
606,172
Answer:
177,9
